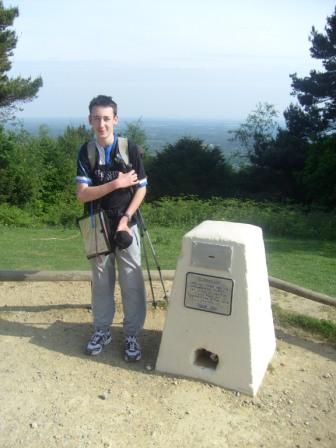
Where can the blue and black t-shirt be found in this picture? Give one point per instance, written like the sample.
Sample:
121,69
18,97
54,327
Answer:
106,169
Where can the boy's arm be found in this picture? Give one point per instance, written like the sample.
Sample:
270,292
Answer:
87,193
135,203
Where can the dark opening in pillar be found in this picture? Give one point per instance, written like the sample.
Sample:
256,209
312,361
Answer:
204,358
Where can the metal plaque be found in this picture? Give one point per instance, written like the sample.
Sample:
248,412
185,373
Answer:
208,293
211,256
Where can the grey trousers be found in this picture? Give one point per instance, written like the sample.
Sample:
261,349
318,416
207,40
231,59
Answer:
131,285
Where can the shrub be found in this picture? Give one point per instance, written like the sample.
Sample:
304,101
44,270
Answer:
14,216
275,219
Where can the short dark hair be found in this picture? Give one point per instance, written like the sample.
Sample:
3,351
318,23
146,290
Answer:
105,101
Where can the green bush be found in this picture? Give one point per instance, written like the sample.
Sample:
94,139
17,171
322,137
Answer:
14,216
189,167
63,214
275,219
318,176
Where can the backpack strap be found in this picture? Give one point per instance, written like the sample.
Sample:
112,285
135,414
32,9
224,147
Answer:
92,152
123,149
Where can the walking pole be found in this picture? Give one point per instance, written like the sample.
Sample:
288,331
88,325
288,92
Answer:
143,225
154,302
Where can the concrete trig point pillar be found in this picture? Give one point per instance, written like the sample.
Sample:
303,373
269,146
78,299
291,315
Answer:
219,325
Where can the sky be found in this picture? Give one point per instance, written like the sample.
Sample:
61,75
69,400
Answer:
184,59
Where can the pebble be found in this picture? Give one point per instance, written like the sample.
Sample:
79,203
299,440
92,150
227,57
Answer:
327,375
149,367
103,396
34,425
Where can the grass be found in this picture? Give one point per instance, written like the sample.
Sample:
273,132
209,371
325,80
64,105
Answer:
325,329
43,249
310,263
305,262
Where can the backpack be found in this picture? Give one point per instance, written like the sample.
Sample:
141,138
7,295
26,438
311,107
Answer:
92,151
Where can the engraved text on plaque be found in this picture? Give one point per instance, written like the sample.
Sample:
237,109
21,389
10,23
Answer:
208,293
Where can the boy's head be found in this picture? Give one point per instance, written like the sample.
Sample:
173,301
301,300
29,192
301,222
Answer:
103,117
104,101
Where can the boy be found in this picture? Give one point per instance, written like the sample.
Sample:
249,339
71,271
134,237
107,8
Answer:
120,195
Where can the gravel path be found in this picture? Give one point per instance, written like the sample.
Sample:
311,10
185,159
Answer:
52,395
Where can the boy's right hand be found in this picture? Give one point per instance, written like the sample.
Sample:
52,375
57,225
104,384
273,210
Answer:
126,180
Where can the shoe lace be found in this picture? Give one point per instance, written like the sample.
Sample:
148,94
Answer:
97,336
132,344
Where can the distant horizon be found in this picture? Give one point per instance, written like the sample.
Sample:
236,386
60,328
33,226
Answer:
133,118
77,120
159,131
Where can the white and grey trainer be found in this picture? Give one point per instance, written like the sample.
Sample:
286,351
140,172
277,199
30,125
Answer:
132,350
98,340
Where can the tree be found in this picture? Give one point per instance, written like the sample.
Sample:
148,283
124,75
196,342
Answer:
276,155
257,133
318,175
136,132
13,91
317,92
19,169
304,126
189,167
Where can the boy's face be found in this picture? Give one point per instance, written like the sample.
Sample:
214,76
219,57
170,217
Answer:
103,120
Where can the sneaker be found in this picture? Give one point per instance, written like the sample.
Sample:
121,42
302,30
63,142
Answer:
98,340
132,349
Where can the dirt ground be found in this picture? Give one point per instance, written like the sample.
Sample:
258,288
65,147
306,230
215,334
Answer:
53,395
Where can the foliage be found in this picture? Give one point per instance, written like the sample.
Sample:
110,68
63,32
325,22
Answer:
276,155
13,91
304,126
257,133
19,173
37,176
59,159
15,216
135,131
318,175
189,167
275,219
295,163
37,173
317,91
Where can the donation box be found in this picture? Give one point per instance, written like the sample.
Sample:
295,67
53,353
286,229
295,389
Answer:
219,325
